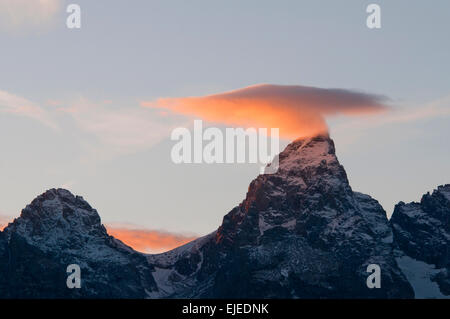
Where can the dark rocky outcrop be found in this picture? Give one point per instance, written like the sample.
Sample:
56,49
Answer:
422,232
301,232
58,229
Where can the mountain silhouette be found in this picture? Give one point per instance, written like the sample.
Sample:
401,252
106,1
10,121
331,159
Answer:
301,232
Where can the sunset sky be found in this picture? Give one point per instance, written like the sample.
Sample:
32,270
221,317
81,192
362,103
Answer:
91,110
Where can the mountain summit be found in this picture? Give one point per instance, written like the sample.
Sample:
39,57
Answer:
299,233
56,230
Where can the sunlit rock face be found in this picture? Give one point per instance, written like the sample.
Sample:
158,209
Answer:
299,233
422,236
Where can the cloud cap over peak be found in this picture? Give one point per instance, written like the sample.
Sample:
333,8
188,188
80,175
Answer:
298,111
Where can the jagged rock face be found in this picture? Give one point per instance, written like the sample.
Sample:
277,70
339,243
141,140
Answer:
300,233
58,229
422,232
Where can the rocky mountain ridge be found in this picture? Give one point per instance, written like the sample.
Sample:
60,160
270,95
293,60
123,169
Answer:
56,230
422,238
301,232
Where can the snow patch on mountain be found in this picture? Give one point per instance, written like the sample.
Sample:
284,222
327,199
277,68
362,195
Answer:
420,275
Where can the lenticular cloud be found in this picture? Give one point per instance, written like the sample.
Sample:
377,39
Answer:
298,111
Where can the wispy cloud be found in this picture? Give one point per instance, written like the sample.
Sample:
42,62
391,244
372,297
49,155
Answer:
13,104
105,128
434,109
297,111
27,14
148,241
403,115
119,129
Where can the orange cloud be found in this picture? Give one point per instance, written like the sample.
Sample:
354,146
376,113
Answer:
149,241
298,111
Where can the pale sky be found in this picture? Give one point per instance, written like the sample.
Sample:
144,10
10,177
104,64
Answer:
71,114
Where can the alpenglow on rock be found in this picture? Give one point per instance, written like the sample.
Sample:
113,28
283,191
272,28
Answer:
299,233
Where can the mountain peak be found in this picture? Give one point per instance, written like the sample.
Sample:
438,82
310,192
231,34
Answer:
318,137
305,213
310,165
57,217
61,204
59,229
301,153
299,233
60,195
